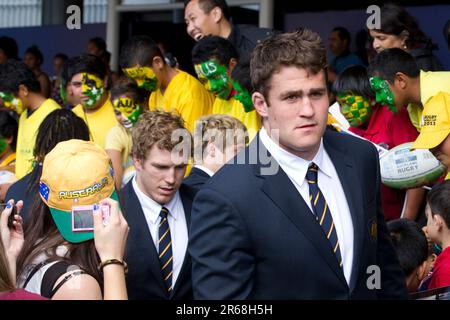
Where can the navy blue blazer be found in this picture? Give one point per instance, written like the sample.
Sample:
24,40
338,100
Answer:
252,236
144,279
196,180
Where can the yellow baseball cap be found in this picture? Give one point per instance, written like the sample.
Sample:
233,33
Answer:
435,122
74,173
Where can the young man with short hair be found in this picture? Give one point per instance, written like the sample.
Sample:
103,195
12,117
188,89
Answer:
157,208
20,90
170,89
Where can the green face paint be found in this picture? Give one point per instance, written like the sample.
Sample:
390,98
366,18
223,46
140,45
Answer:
129,110
243,96
215,78
383,94
356,109
93,88
144,76
11,102
3,145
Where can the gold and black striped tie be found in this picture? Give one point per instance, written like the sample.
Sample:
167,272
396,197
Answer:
165,249
322,211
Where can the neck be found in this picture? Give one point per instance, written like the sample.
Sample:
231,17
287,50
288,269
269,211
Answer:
100,103
167,75
225,29
36,100
445,243
415,91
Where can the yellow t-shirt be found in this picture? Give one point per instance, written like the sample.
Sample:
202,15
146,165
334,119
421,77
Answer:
99,122
119,139
234,108
431,82
186,95
26,136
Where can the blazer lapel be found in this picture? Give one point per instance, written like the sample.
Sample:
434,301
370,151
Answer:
282,192
345,167
143,244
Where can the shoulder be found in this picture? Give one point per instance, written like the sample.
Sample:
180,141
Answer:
78,287
348,144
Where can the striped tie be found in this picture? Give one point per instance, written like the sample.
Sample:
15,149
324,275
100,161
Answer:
321,210
165,249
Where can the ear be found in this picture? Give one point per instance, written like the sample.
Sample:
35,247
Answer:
157,63
211,149
404,36
23,91
233,62
422,270
260,104
401,80
9,140
137,163
439,222
217,14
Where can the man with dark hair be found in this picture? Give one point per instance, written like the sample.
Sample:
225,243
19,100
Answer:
340,48
8,49
309,225
411,247
96,46
157,208
398,82
171,89
20,90
212,17
88,83
214,59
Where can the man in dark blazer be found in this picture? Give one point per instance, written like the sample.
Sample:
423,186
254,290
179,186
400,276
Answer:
157,208
298,215
218,138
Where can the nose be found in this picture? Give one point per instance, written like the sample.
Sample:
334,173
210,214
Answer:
306,109
170,176
376,44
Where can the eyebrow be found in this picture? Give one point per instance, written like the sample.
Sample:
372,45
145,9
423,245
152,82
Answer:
301,92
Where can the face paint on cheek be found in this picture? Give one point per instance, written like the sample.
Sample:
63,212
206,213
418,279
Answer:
11,102
3,145
383,94
129,109
217,76
356,109
92,87
144,76
243,96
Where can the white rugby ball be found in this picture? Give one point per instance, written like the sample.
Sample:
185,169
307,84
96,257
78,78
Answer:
402,168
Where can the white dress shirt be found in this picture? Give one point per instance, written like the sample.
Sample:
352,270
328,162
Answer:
330,185
177,225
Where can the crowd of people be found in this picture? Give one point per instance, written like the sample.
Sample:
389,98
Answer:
233,183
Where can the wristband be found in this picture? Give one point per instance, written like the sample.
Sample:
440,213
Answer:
113,261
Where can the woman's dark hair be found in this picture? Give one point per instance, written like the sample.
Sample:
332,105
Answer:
34,50
126,86
353,80
59,125
395,20
8,127
9,47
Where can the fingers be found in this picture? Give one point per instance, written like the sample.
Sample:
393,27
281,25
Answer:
18,224
114,211
19,206
98,219
6,213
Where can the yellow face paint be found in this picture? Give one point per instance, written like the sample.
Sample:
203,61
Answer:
93,87
144,76
129,109
11,102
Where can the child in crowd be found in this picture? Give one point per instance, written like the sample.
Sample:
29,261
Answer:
438,229
381,125
128,101
21,90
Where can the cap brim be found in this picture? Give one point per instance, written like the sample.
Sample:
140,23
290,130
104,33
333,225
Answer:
63,221
429,140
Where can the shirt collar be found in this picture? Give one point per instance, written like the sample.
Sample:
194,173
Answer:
152,207
204,169
293,163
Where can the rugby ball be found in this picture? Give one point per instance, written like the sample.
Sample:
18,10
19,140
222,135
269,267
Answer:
402,168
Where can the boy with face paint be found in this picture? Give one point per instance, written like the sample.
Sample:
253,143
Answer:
87,76
397,79
127,100
371,118
170,89
215,59
20,91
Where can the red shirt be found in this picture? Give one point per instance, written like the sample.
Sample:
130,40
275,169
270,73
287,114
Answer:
441,271
20,294
389,130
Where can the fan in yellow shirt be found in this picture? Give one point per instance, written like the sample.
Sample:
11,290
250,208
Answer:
88,80
20,91
215,60
171,89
